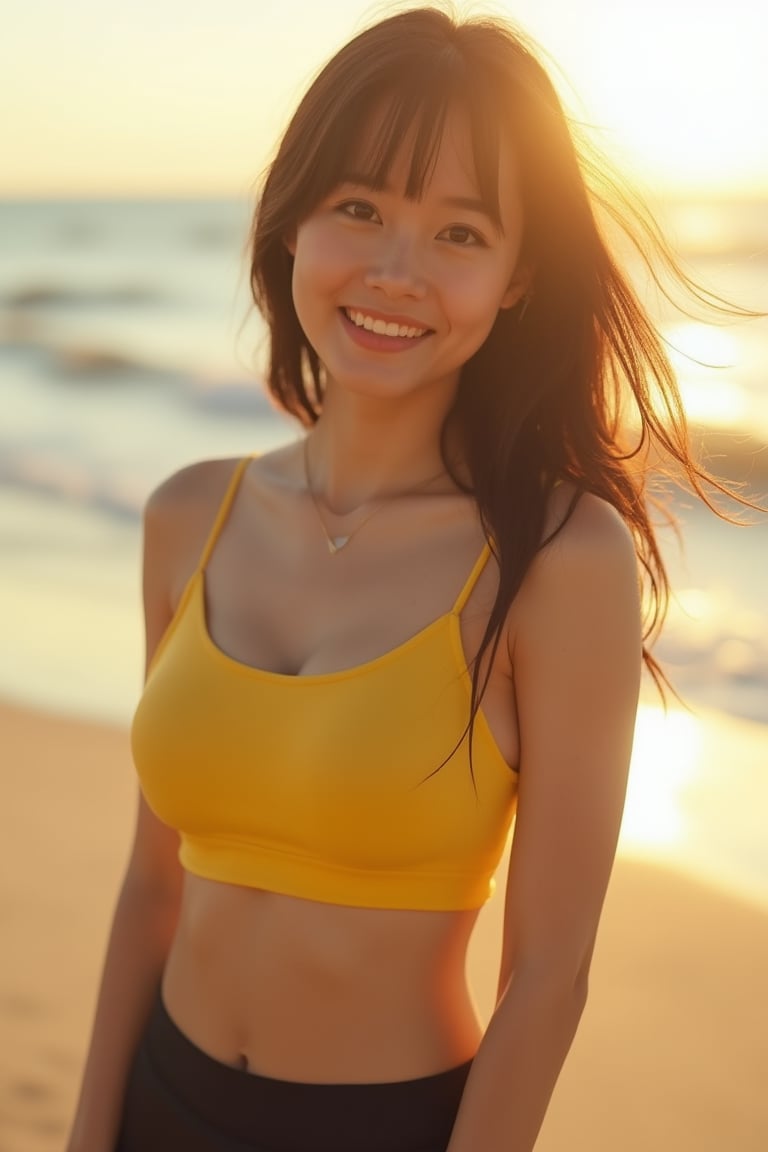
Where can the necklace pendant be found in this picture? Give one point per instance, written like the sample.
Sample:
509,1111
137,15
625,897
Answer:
336,543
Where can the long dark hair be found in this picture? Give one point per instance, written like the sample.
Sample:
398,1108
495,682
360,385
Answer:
549,393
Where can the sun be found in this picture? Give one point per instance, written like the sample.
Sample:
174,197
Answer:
678,87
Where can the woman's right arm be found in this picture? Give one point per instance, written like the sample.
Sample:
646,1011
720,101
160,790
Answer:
142,929
145,915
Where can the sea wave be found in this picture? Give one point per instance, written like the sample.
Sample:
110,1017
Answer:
88,224
65,480
90,363
85,363
29,295
715,652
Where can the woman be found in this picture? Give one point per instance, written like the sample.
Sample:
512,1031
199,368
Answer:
368,650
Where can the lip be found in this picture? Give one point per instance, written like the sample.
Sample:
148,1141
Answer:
378,341
388,317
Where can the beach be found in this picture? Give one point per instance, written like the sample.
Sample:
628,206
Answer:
671,1053
124,355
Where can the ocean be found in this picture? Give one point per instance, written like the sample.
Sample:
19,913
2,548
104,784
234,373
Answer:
127,349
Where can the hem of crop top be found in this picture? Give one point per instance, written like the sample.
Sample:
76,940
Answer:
285,873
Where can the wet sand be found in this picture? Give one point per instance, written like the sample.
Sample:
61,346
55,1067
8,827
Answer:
672,1052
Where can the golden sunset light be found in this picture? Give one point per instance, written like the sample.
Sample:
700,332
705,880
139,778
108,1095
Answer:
683,87
664,761
180,100
384,538
701,355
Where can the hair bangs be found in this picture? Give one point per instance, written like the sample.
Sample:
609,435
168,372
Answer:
415,119
409,119
485,133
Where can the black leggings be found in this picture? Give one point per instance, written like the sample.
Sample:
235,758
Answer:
179,1099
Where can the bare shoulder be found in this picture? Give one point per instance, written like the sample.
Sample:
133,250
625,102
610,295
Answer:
200,487
584,534
195,487
185,503
178,516
180,511
587,566
581,522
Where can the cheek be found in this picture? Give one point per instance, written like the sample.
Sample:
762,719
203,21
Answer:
311,280
320,262
476,295
322,270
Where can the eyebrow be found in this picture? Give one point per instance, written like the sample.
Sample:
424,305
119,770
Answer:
469,203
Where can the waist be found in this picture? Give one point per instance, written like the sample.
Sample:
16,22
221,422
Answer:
259,1111
312,992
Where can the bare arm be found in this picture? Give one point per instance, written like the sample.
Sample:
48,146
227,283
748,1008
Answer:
576,659
142,930
177,520
145,914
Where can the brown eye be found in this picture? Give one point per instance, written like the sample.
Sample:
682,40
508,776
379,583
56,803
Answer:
462,236
358,210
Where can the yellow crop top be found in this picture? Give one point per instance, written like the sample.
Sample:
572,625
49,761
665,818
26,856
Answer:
324,786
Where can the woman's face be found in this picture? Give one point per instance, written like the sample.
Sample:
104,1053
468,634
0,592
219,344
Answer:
396,294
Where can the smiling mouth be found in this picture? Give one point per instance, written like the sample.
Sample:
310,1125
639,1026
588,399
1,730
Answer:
384,327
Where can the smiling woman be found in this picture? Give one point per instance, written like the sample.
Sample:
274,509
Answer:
371,651
374,242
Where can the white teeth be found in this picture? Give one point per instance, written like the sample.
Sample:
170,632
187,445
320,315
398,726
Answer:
382,327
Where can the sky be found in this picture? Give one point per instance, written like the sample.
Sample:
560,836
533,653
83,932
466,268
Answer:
186,97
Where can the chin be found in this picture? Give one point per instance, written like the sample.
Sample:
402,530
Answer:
397,387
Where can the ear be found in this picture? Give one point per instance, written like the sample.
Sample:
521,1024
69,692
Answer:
289,240
519,286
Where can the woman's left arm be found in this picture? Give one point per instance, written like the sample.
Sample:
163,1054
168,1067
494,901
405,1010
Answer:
576,659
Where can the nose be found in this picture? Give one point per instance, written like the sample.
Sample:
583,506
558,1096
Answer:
395,272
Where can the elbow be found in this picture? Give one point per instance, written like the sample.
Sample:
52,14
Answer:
580,994
567,974
579,981
566,991
541,1009
550,991
561,1001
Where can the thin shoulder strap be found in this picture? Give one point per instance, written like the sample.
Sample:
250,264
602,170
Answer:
224,509
480,563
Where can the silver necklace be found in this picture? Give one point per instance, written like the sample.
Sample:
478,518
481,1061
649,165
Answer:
336,543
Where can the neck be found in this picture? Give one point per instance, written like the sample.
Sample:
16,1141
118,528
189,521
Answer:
366,451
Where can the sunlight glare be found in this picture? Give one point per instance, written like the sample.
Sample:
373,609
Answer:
679,85
664,758
701,356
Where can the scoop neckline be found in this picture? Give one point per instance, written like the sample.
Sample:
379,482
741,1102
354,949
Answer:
451,618
310,677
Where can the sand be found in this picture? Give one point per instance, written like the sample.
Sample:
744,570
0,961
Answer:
672,1052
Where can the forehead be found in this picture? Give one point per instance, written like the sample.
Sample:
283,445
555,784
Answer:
441,150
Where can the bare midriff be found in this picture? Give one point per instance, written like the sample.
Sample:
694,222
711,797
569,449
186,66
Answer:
320,993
